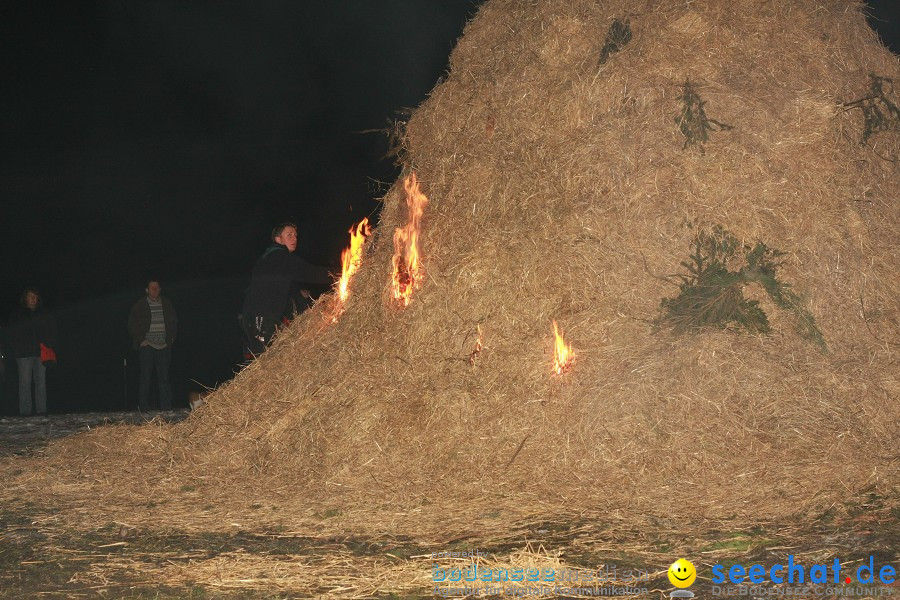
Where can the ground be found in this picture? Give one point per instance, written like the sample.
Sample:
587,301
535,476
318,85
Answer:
22,436
40,556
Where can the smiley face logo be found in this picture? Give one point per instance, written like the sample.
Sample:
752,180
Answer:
682,573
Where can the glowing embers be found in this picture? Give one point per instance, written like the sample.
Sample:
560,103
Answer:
563,355
407,263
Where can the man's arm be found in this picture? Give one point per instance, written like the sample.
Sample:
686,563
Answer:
134,325
307,273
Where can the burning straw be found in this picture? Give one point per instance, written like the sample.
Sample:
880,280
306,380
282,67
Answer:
563,355
351,259
407,263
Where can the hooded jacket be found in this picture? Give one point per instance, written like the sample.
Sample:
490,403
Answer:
270,283
28,329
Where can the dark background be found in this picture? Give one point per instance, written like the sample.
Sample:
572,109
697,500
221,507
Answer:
166,138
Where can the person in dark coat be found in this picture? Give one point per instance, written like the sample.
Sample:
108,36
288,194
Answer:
31,325
153,326
267,303
2,355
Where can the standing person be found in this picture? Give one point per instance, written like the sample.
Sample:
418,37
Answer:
2,367
153,326
267,301
2,356
31,325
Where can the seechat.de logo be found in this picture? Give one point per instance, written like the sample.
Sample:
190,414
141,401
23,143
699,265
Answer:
794,572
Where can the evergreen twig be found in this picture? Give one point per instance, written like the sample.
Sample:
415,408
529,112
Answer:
712,294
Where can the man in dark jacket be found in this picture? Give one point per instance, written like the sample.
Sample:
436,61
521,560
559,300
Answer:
30,325
2,356
267,302
153,326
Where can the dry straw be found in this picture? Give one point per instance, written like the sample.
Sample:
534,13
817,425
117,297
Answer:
561,189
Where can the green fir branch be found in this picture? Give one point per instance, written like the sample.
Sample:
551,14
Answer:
879,111
693,122
618,35
712,294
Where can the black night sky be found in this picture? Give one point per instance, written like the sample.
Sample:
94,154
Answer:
168,137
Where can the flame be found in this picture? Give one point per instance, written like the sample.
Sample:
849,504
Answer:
351,257
407,275
563,355
479,344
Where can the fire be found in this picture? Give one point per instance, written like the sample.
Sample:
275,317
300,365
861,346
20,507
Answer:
479,344
407,275
563,355
351,257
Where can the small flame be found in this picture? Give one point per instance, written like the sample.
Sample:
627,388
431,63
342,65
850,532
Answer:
351,257
479,344
407,275
563,355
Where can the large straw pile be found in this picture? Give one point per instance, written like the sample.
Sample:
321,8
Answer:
564,189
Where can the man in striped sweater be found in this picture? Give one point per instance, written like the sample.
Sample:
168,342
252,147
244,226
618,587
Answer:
153,326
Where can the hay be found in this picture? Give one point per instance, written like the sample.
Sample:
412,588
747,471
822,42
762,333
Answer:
557,189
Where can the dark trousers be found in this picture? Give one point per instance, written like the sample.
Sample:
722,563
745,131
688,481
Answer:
258,333
151,359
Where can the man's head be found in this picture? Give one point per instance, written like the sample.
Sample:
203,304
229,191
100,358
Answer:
153,289
31,298
286,235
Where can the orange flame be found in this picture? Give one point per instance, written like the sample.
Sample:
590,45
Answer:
408,274
351,257
563,355
479,344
